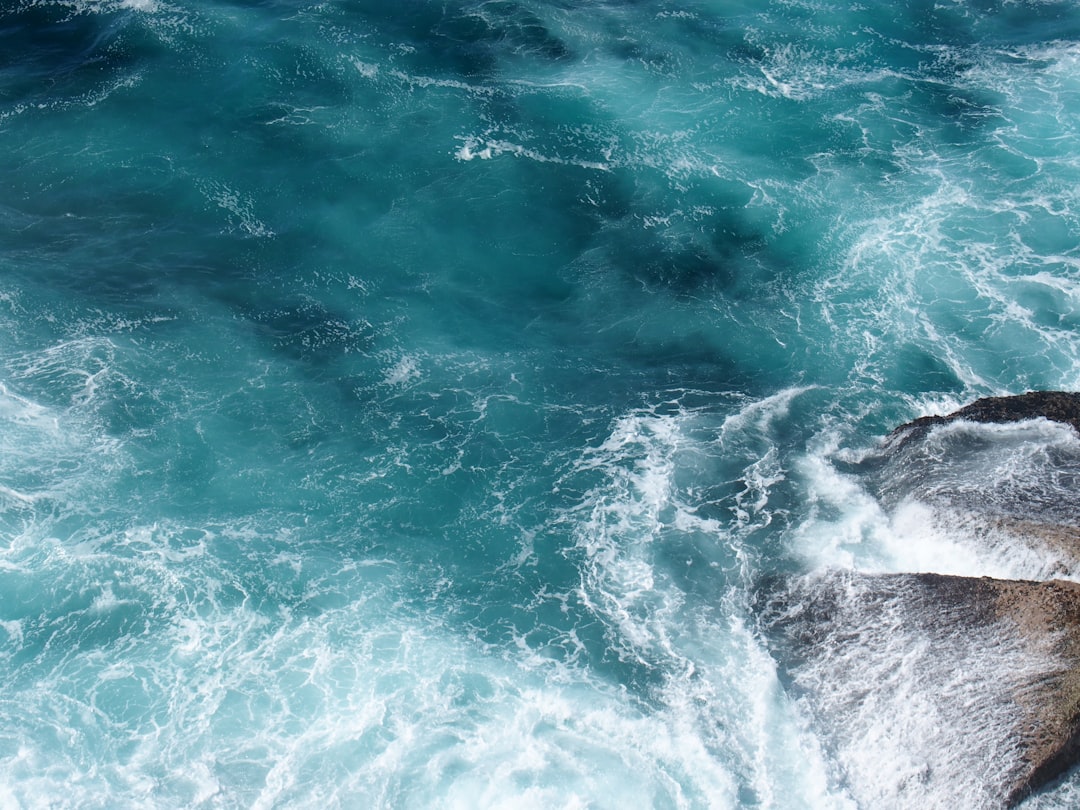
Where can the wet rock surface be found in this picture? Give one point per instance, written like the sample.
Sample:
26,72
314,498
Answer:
1057,406
946,691
968,689
1001,471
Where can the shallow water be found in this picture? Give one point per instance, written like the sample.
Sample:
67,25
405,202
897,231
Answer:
400,403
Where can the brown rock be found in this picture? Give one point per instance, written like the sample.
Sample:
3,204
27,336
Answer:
1048,614
932,690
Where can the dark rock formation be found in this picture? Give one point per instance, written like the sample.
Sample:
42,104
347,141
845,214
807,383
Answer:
1057,406
933,690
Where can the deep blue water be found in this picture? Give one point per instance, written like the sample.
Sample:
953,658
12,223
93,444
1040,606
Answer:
399,402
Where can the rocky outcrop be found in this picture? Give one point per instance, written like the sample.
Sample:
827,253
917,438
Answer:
1002,471
947,691
932,690
1047,615
1057,406
964,690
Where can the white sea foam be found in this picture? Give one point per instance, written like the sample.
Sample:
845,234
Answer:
621,520
71,372
98,6
228,704
473,147
53,457
746,433
910,256
239,206
719,686
368,70
796,74
403,372
968,241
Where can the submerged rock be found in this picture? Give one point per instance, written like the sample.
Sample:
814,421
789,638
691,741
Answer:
932,690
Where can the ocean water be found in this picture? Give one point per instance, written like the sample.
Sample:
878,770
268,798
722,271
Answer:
401,403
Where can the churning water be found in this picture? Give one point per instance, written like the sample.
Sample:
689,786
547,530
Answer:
401,401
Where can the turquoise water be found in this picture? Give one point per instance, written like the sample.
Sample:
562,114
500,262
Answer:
399,403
